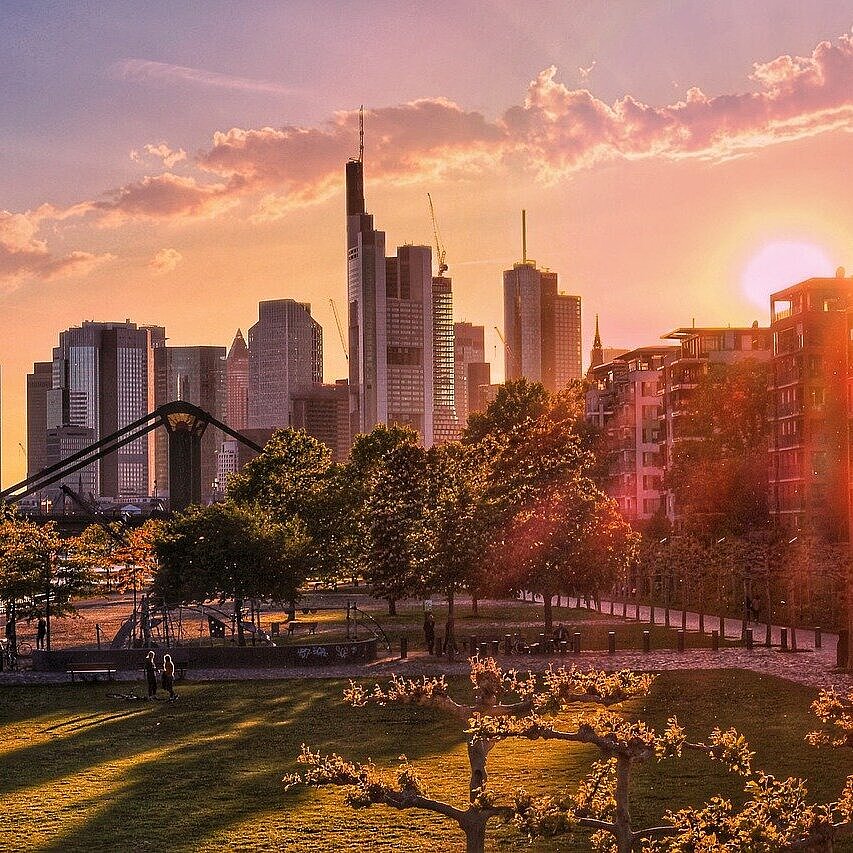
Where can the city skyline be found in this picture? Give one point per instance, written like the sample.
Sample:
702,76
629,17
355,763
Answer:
636,224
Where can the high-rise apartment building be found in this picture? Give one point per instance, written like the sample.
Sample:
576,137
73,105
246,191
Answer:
542,328
38,385
237,383
285,359
623,402
195,375
811,483
103,379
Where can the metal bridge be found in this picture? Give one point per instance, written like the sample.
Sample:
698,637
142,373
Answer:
184,423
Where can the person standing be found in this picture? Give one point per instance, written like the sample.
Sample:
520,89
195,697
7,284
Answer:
151,676
41,632
429,631
168,676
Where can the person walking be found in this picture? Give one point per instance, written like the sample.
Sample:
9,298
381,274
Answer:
168,676
151,675
41,632
429,631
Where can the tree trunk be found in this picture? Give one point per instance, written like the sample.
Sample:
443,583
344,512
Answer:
549,614
622,820
238,616
475,606
478,752
475,835
449,628
392,606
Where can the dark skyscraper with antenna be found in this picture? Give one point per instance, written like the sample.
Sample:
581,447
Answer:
368,341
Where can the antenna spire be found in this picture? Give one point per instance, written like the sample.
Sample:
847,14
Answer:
361,134
524,236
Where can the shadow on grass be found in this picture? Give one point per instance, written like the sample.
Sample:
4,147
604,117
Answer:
209,761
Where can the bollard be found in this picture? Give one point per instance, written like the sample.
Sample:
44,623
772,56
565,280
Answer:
793,639
577,644
749,639
768,636
483,650
404,647
543,646
647,641
508,644
818,638
715,641
496,647
680,637
472,645
842,649
564,647
611,642
783,643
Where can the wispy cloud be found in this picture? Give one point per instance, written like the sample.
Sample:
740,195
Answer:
23,255
147,70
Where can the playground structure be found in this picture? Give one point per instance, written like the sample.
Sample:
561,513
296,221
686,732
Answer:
152,623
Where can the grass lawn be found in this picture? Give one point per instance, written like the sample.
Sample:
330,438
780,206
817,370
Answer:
83,772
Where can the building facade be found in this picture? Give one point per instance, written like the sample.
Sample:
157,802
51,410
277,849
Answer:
811,482
237,384
195,375
542,328
323,413
285,359
698,348
103,379
38,386
623,402
468,348
446,421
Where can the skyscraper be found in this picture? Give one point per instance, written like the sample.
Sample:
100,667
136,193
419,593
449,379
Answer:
38,385
285,359
103,380
446,423
468,348
409,329
368,342
195,375
237,383
542,327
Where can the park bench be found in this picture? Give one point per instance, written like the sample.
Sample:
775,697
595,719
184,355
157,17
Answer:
294,624
106,668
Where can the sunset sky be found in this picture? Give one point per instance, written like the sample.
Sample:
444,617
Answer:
175,163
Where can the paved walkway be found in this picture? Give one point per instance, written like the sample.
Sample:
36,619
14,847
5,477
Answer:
808,665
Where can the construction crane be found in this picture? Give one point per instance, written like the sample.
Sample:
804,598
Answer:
340,328
507,347
440,252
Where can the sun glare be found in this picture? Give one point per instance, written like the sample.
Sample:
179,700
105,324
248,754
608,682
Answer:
780,264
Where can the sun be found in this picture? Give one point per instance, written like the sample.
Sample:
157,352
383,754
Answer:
780,264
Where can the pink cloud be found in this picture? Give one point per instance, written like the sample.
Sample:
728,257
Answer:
165,260
23,255
553,132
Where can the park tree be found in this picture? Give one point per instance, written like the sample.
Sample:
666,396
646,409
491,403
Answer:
574,706
296,477
394,519
457,525
229,552
39,573
573,538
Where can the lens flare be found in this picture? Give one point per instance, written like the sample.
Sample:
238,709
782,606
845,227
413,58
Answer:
780,264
